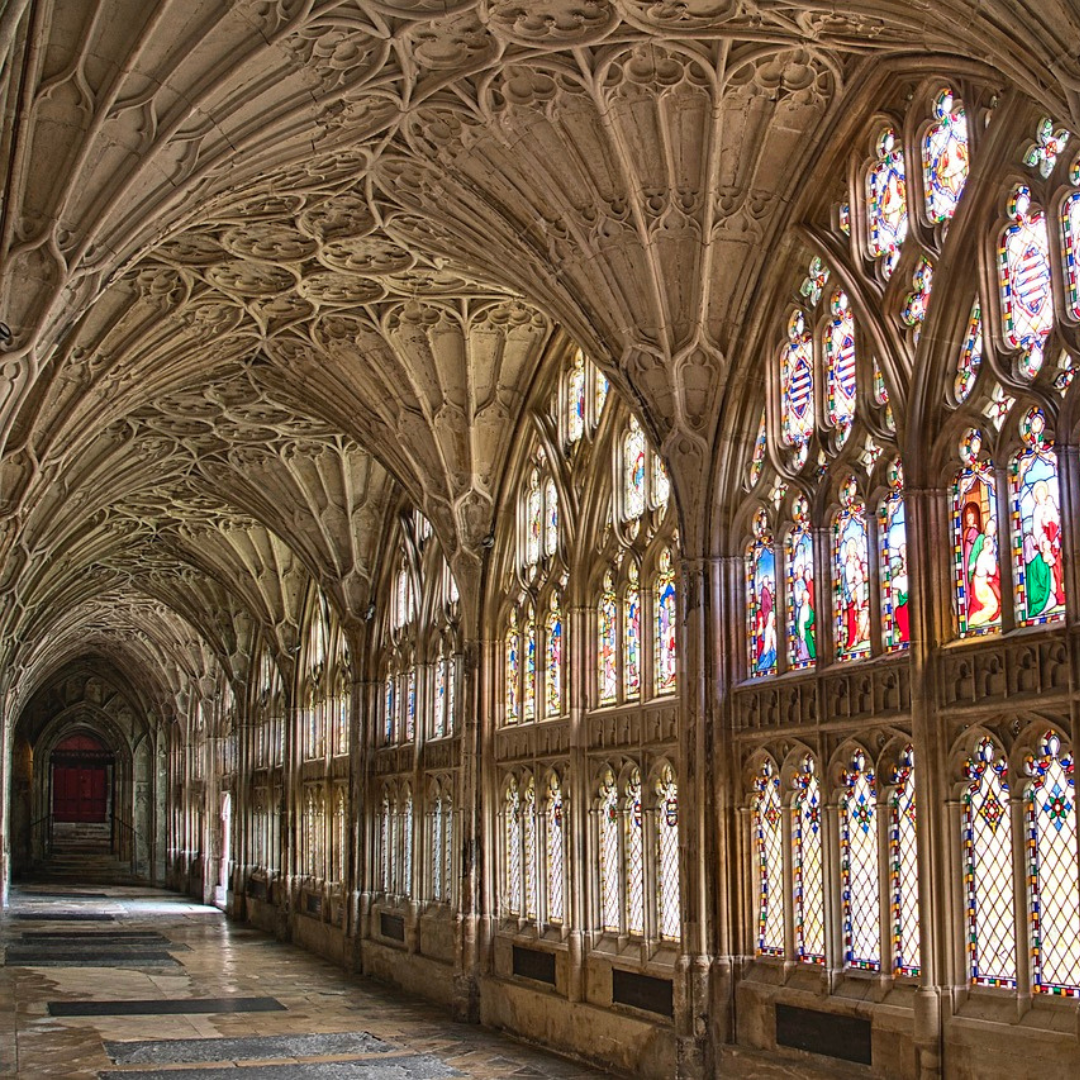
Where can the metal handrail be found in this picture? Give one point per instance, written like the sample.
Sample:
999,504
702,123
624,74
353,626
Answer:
132,839
45,818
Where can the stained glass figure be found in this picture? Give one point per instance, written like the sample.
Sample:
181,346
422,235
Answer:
881,389
851,574
843,216
667,856
977,572
945,157
451,695
918,300
635,856
528,846
513,670
632,635
815,281
608,642
512,826
528,696
967,366
895,622
610,884
388,709
555,858
1046,147
859,865
401,603
533,520
757,459
1070,243
661,485
1053,877
989,873
551,518
665,641
886,202
633,471
797,384
1038,571
1027,307
807,881
602,387
904,868
761,608
410,706
438,712
801,599
553,680
769,847
839,346
575,394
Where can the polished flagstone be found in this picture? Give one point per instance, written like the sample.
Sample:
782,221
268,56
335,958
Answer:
90,1001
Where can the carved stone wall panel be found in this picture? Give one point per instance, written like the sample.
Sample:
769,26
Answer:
995,670
441,754
544,739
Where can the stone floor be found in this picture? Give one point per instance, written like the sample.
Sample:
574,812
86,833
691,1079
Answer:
91,983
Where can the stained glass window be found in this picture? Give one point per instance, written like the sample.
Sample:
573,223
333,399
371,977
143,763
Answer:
451,695
610,889
1053,872
533,520
634,471
797,385
529,850
575,385
967,367
438,729
851,575
801,602
761,598
904,868
513,670
665,657
815,281
551,518
601,394
410,706
388,709
839,344
438,825
385,842
859,865
757,460
608,643
635,856
512,826
808,884
1027,308
553,813
661,485
977,574
945,157
1036,526
632,635
769,848
553,680
448,846
886,202
989,874
1070,243
528,702
895,621
405,884
403,608
918,300
667,855
1048,144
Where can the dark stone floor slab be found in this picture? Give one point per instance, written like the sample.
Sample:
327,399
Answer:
164,961
169,1007
33,956
413,1067
77,948
76,936
179,1051
63,916
45,894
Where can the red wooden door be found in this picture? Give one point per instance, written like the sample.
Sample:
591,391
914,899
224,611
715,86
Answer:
79,792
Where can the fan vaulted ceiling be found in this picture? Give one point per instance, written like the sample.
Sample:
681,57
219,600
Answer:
271,266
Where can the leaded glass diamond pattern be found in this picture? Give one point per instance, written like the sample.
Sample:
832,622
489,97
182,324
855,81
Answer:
437,849
808,890
1053,872
859,866
635,857
667,830
904,869
609,854
555,851
989,876
528,843
512,825
769,845
405,882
